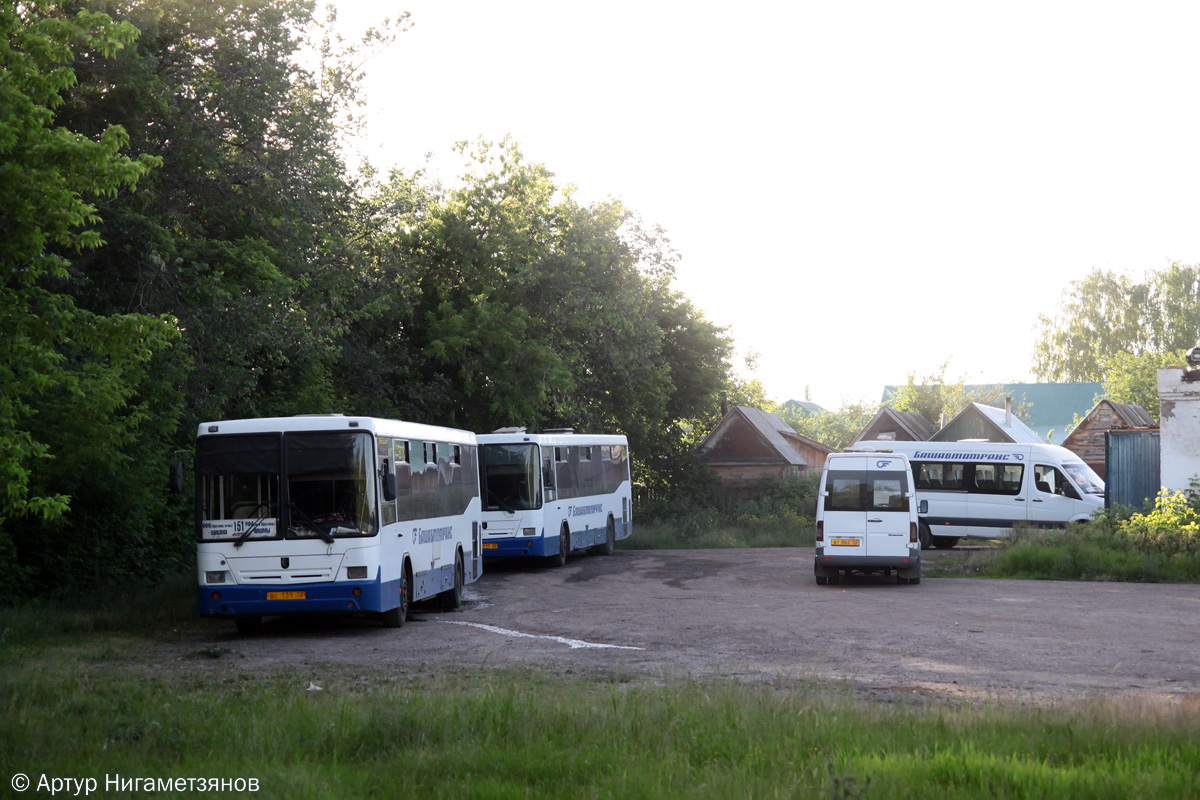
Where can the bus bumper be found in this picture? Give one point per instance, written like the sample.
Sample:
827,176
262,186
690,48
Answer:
228,601
520,546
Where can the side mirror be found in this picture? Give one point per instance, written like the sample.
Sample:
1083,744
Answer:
548,478
389,487
175,483
923,507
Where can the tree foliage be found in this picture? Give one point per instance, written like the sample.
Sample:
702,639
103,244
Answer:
51,180
522,306
1107,316
252,273
833,428
1134,379
935,398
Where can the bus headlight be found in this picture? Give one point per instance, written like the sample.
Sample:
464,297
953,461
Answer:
356,573
529,531
214,577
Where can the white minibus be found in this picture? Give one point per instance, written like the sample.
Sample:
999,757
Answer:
981,490
866,518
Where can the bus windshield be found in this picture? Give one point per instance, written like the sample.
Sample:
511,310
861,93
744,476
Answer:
511,480
1084,477
330,486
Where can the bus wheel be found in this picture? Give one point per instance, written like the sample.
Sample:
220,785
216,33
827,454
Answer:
925,537
248,624
610,539
395,617
564,545
452,598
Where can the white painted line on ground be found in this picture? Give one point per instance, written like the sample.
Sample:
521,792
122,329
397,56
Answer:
574,644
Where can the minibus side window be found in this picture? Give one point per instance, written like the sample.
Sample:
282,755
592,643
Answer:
997,479
938,475
1048,480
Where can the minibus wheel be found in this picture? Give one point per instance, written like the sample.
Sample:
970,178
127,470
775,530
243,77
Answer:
925,537
944,542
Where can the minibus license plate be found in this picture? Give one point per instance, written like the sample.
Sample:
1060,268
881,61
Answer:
286,596
490,546
845,542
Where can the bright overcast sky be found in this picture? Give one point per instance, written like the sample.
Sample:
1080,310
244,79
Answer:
858,190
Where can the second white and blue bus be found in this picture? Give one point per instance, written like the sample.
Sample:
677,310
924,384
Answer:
356,515
554,493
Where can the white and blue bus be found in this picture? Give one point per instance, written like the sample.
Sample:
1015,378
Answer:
553,493
357,515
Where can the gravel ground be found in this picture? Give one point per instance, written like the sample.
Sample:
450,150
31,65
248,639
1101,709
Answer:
758,615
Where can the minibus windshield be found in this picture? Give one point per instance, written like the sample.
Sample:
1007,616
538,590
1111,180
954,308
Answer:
1084,476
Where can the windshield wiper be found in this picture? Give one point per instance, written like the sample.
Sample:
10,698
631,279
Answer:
326,537
503,505
241,538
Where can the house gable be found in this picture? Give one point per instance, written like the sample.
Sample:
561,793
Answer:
897,426
988,423
1087,440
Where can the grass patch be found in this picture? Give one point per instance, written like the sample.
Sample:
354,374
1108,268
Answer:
533,734
704,532
129,610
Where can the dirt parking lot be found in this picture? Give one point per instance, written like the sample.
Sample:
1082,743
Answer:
758,615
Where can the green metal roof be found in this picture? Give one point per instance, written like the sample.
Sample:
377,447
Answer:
1050,408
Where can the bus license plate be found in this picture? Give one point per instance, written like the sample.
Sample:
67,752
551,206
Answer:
490,546
845,542
286,596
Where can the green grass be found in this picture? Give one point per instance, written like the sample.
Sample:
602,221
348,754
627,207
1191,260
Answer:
533,734
708,533
1098,551
130,609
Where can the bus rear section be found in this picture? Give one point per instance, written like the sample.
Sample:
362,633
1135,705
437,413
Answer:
304,515
866,518
548,495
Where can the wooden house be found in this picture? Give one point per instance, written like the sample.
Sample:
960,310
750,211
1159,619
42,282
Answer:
1087,440
750,444
989,424
896,426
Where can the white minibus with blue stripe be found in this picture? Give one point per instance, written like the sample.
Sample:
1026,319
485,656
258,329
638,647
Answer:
982,490
353,515
554,493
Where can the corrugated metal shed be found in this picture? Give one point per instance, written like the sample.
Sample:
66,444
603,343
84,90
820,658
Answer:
1132,476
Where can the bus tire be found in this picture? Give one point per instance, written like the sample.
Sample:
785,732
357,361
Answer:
564,547
248,624
610,539
944,542
395,617
451,599
925,537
